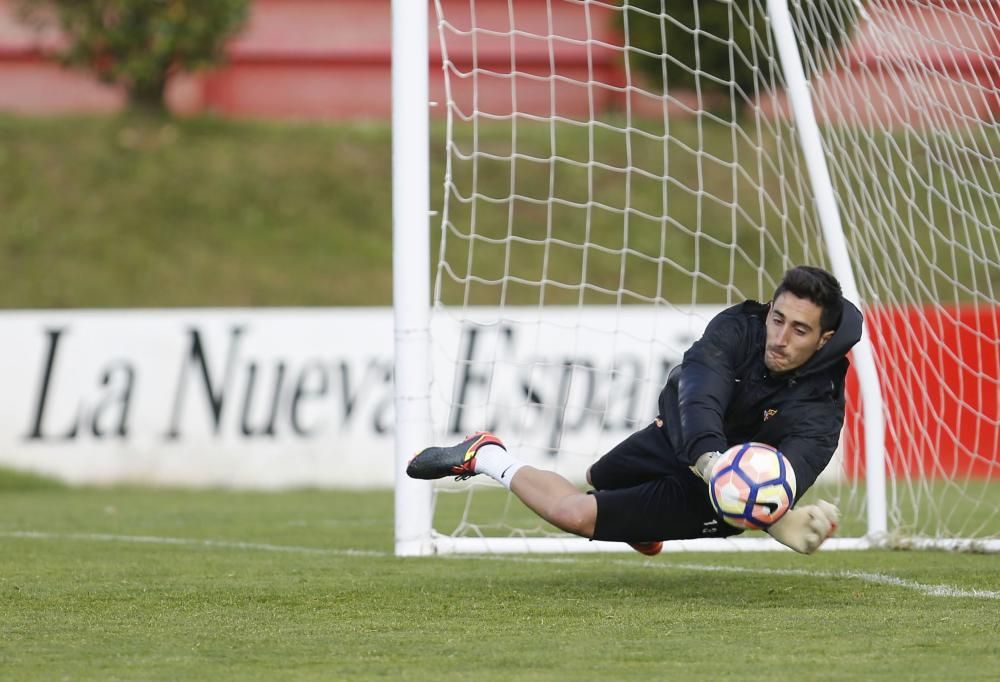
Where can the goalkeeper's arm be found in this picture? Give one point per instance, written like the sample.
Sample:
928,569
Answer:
803,529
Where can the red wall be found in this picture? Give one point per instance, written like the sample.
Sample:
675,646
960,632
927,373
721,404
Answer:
330,59
941,382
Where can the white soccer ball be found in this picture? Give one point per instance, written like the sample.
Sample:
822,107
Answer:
752,485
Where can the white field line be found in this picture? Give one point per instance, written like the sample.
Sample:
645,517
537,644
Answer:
930,590
188,542
863,576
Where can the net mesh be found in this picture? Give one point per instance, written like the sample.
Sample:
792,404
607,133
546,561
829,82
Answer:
615,173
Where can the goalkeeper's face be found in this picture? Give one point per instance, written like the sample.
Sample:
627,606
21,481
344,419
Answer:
793,333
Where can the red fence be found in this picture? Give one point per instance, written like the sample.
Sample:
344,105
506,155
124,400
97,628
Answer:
941,382
331,59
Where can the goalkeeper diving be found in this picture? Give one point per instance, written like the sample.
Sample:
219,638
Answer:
765,372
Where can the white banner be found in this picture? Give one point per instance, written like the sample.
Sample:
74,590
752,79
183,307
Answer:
561,386
271,398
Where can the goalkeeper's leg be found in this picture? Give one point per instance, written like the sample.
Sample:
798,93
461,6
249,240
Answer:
641,500
556,500
546,493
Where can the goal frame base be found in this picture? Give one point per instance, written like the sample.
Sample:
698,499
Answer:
441,544
447,545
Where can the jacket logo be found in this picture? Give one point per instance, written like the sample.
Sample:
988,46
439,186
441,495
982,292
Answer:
768,413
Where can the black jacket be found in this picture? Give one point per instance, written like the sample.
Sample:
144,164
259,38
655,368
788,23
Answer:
722,394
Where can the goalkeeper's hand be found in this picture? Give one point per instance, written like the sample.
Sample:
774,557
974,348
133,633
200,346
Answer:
702,466
805,528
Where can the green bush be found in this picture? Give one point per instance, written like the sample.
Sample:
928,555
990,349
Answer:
139,44
668,50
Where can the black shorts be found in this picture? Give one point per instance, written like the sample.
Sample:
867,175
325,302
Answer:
644,494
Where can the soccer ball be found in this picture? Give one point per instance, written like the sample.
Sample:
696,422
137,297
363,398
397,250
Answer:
752,485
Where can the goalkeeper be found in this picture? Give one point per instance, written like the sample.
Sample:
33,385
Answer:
771,373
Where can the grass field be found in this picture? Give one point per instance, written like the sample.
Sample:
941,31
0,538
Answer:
125,212
128,583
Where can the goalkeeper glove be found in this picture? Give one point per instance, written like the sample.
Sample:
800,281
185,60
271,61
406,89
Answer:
805,528
702,466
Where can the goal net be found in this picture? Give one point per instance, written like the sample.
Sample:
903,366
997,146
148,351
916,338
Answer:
606,176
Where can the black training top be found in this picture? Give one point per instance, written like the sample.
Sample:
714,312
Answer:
722,394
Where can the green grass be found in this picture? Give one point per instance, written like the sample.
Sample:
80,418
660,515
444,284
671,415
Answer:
126,212
126,583
122,212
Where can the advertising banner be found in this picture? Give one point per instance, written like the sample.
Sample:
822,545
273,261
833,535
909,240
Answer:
273,398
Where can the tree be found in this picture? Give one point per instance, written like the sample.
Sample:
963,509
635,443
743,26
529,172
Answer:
139,44
669,50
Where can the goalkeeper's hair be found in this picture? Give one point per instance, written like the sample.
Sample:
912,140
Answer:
820,287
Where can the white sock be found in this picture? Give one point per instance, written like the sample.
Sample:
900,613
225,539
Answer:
497,463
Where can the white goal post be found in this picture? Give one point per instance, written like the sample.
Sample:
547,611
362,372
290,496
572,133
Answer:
603,183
